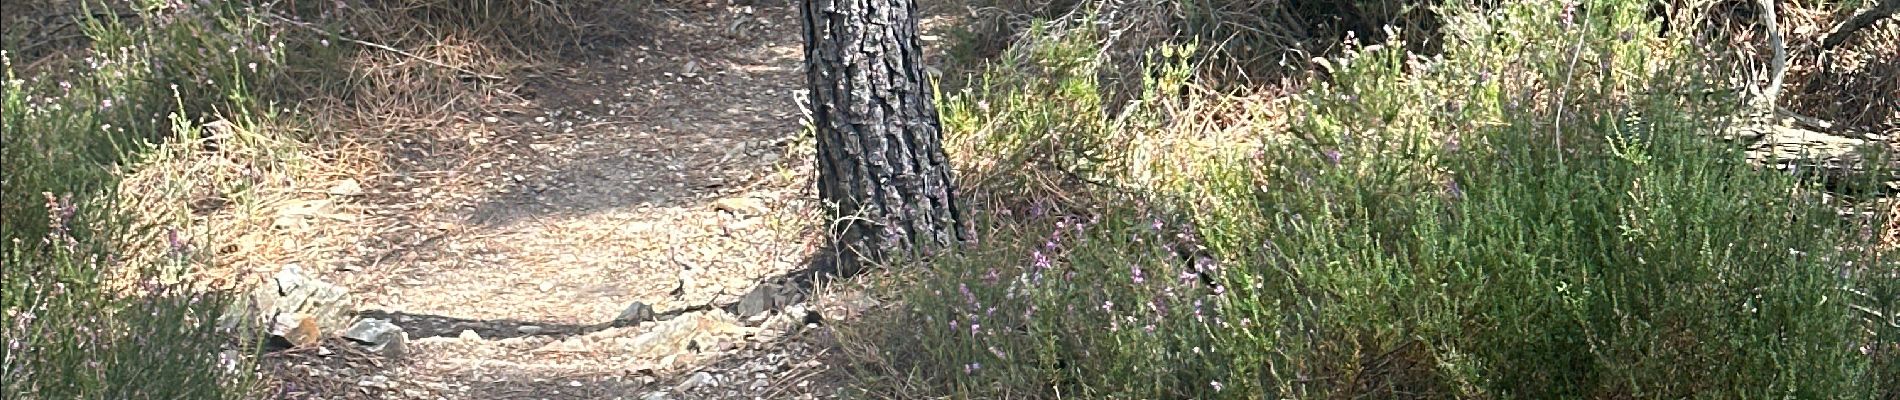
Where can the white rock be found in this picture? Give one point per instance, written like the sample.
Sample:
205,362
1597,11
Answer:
698,379
347,187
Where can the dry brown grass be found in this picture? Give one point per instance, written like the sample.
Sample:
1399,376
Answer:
245,188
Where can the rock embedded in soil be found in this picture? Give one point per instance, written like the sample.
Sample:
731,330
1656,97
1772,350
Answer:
346,187
741,206
323,305
293,330
689,332
766,297
634,314
698,380
379,336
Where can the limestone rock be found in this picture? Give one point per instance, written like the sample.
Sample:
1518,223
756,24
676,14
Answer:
291,300
379,336
687,333
698,380
767,297
741,206
294,330
346,187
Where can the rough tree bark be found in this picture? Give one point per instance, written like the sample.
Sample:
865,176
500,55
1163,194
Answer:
881,163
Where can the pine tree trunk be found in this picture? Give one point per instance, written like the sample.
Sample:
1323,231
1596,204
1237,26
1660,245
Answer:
881,164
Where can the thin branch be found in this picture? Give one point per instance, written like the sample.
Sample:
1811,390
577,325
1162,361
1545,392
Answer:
1860,20
1778,68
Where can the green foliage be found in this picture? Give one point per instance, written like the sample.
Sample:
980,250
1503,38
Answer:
1531,213
80,321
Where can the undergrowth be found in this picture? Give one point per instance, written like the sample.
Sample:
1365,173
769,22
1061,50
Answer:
99,302
1534,212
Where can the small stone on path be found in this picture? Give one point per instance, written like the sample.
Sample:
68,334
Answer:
697,380
634,314
380,336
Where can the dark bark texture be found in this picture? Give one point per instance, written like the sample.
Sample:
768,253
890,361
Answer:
881,162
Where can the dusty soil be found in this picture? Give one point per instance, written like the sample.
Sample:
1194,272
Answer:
665,171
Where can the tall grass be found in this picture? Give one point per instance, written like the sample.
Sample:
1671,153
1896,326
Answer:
85,314
1532,213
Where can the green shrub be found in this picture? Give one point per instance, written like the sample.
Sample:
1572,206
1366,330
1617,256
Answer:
73,330
82,318
1533,213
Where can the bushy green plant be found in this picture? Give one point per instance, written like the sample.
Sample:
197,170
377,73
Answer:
1533,213
72,329
81,320
193,60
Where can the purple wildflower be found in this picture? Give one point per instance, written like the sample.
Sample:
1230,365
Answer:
172,239
1332,156
1134,272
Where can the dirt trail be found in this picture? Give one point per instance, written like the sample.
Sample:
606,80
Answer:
655,174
